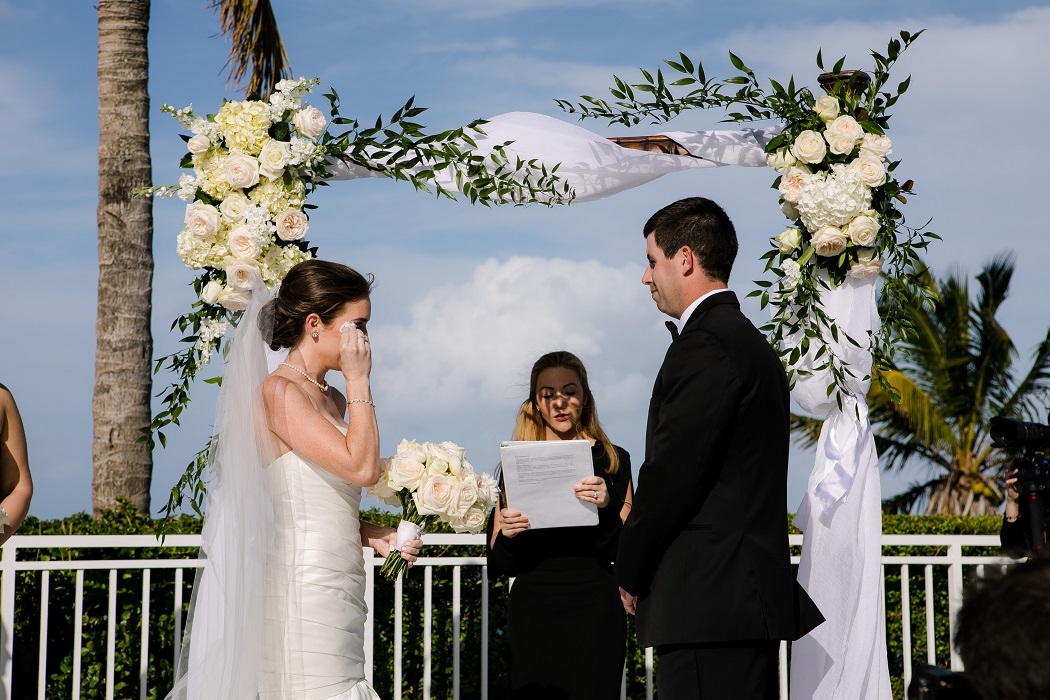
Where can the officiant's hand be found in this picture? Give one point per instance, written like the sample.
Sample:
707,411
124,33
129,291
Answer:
592,490
630,602
512,522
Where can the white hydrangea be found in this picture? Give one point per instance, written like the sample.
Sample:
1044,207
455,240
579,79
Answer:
187,187
203,127
833,198
275,197
259,221
197,252
277,260
304,151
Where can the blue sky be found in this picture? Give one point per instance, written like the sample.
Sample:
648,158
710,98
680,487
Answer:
468,297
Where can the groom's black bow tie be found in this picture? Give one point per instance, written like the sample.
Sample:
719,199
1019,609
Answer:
673,327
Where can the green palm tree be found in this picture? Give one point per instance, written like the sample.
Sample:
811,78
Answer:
953,375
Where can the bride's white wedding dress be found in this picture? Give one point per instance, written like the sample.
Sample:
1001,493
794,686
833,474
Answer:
313,590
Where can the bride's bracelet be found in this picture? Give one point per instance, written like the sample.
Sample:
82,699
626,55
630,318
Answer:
367,401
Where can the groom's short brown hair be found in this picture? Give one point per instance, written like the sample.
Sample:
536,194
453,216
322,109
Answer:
702,225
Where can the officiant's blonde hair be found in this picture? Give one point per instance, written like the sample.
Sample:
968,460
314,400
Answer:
530,425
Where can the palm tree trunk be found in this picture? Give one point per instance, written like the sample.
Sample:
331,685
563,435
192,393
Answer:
124,344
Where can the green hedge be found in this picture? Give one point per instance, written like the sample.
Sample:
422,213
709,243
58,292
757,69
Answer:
124,520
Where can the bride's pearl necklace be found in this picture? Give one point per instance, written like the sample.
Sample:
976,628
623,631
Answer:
322,386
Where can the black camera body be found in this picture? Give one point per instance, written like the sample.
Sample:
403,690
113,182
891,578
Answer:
1033,469
933,683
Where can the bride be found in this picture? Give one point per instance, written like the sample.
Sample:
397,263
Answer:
278,608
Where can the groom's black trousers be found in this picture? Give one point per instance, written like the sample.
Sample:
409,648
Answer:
718,671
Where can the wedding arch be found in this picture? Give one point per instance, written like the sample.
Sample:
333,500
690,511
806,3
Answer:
256,161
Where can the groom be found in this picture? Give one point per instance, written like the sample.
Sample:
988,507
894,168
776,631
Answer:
703,557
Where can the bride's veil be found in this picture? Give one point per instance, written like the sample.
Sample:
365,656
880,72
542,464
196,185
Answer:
223,643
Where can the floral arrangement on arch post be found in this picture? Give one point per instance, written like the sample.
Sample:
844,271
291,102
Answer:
432,482
254,163
837,187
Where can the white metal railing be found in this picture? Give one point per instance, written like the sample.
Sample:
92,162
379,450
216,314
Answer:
951,558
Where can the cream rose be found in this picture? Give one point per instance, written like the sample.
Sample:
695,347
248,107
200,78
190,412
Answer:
273,158
792,183
292,225
465,495
434,496
310,122
789,240
829,241
201,219
406,473
234,207
235,299
848,127
412,450
437,459
809,147
781,159
876,146
472,521
382,489
867,265
198,144
826,107
211,292
838,143
488,489
871,170
241,171
242,274
456,456
863,230
243,243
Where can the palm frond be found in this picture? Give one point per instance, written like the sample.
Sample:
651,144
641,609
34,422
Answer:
910,500
1033,392
916,413
256,42
805,430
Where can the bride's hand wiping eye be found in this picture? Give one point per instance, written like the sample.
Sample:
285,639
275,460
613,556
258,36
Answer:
355,353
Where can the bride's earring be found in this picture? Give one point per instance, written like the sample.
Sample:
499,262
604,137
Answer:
315,334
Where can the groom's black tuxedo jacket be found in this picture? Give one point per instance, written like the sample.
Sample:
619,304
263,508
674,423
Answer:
705,546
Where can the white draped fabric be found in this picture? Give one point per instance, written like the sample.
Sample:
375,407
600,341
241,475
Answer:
841,517
594,166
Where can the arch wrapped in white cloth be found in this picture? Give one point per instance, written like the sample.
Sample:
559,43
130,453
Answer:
841,512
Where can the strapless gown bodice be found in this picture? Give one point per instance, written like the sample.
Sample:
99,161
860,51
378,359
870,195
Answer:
314,586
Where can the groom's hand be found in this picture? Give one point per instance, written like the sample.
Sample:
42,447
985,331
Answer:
630,602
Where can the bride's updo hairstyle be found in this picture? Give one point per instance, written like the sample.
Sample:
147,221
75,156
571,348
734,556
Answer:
311,287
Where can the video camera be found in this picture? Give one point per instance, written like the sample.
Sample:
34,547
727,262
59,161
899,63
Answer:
1033,468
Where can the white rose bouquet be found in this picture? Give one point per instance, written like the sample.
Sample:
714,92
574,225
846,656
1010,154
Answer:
432,482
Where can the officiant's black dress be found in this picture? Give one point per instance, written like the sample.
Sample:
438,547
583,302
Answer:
566,626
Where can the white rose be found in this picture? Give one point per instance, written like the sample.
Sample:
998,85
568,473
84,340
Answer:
871,170
839,143
198,144
792,182
826,107
488,489
434,496
292,225
809,147
876,146
243,243
210,293
848,127
829,241
465,495
437,459
310,122
456,456
273,158
242,274
863,230
781,159
233,208
790,210
789,240
868,265
202,219
406,473
412,450
235,299
241,171
384,491
472,521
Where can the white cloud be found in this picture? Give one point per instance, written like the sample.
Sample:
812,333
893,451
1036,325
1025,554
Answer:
472,344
